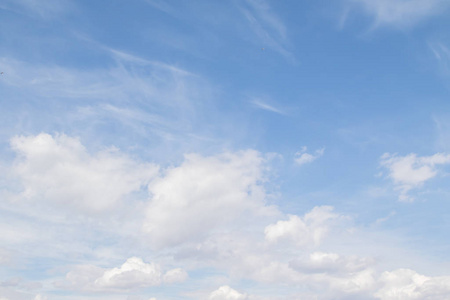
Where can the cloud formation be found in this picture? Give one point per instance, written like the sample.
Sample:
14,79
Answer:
227,293
266,25
401,13
262,105
408,284
309,230
332,263
302,157
412,171
202,194
60,170
133,274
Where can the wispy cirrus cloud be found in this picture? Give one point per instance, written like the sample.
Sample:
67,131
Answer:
265,106
267,26
442,55
401,13
44,9
150,99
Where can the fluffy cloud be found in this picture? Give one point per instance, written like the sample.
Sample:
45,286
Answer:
59,169
227,293
302,157
132,274
401,13
175,275
308,230
407,284
202,194
412,171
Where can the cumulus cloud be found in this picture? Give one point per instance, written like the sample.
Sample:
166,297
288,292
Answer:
59,169
302,157
133,274
227,293
412,171
408,284
307,230
401,13
175,275
203,193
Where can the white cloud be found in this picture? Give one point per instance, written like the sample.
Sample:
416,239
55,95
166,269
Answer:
40,297
401,13
175,275
44,9
408,284
5,256
167,113
133,274
227,293
319,262
306,231
202,194
412,171
262,105
59,169
360,282
267,26
302,157
442,54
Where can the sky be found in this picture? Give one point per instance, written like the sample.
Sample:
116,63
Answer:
224,150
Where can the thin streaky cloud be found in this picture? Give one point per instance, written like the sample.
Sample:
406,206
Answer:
267,26
45,10
160,5
264,11
442,55
124,56
268,107
401,13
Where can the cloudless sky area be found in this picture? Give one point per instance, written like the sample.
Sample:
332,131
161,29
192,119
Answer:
224,150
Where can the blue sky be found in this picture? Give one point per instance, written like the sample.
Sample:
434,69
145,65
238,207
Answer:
221,150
